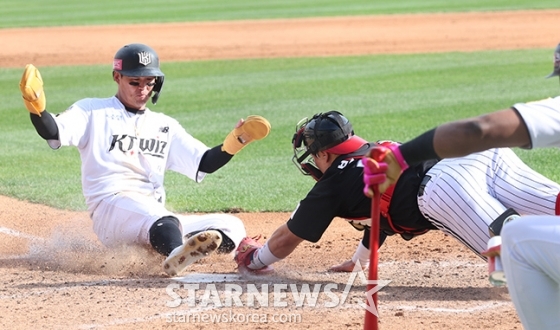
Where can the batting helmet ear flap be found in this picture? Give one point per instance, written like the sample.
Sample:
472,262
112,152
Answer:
157,89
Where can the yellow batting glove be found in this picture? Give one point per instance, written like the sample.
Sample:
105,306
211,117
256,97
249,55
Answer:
246,131
31,86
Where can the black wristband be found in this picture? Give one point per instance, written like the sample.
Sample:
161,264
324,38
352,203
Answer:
213,159
419,149
45,125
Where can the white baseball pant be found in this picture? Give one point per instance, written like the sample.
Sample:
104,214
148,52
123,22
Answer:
126,218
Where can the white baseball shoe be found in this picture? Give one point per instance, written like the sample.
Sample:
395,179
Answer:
193,249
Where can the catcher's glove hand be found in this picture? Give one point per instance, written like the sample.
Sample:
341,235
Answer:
246,131
31,87
244,254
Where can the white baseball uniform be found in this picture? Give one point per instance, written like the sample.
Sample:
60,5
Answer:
464,195
124,158
530,250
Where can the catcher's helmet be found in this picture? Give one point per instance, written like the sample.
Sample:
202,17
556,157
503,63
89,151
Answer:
139,60
556,71
329,131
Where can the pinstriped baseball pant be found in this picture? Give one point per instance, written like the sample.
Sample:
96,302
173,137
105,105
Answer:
464,195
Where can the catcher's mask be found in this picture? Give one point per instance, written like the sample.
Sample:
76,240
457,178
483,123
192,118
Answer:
139,60
556,70
329,131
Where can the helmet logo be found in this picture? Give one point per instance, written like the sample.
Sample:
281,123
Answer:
144,58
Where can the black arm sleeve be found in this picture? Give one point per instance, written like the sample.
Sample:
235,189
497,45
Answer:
419,149
365,239
213,159
45,125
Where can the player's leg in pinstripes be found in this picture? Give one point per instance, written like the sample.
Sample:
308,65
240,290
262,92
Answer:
466,194
458,200
518,186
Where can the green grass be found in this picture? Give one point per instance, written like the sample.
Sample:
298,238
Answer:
385,97
33,13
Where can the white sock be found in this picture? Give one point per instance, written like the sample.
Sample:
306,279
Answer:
362,254
262,257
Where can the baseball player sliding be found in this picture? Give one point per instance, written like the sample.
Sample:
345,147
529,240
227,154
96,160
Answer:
125,150
530,249
460,197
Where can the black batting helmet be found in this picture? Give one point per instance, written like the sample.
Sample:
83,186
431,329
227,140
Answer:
139,60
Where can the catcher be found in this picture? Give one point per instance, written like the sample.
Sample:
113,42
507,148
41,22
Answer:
125,150
326,148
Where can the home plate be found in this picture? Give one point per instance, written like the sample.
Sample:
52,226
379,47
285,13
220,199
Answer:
208,278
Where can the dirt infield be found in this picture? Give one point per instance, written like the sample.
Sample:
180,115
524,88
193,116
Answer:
57,276
285,38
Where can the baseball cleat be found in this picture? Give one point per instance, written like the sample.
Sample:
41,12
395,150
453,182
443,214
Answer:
193,249
227,245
